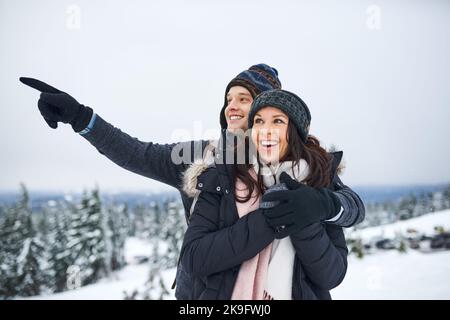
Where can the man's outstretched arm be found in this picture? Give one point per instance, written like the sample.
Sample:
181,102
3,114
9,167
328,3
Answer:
162,162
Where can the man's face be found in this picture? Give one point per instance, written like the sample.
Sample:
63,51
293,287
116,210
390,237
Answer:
239,101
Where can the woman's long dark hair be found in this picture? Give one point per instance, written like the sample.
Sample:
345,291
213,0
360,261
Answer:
318,159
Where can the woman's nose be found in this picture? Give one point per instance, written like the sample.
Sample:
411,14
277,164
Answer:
268,132
265,132
268,127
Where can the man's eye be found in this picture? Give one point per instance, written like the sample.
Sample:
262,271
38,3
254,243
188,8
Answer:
244,100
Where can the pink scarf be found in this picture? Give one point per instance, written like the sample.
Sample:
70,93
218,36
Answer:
251,280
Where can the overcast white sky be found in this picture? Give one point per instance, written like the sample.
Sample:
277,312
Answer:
375,75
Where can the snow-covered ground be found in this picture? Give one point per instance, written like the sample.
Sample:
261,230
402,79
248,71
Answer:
130,278
383,275
422,224
395,275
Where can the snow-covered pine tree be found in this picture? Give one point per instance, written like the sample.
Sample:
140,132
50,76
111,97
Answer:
11,241
31,267
44,223
430,202
173,229
118,224
60,256
87,239
421,206
446,198
132,223
139,225
13,237
31,261
406,207
153,220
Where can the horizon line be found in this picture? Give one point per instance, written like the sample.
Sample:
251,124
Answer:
156,191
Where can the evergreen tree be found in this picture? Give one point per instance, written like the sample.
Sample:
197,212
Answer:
13,234
446,198
31,262
391,210
406,207
153,220
140,225
88,239
422,205
430,203
44,223
11,242
173,230
118,226
60,255
31,267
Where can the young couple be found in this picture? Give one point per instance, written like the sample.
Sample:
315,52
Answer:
251,235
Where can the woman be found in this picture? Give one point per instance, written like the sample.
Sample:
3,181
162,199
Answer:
236,248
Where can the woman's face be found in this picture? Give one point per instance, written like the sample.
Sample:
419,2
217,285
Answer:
269,134
239,101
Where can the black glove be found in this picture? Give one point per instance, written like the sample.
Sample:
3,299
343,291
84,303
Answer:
299,207
57,106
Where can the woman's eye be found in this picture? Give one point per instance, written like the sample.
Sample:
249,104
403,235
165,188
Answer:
258,121
279,121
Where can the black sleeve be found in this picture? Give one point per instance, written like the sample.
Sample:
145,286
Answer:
207,249
148,159
322,252
353,207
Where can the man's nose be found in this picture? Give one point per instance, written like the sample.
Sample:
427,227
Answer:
232,105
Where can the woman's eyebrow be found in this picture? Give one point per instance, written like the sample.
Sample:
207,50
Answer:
273,116
279,115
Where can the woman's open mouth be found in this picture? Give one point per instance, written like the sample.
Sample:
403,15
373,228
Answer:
267,145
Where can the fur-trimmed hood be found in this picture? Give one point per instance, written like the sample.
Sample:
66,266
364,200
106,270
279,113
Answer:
190,176
338,162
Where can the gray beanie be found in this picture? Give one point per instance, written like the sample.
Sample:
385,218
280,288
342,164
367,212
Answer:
289,103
